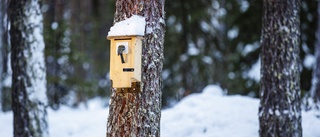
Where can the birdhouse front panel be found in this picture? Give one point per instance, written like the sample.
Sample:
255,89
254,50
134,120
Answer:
125,61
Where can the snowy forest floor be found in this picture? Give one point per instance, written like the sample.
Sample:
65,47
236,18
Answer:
207,114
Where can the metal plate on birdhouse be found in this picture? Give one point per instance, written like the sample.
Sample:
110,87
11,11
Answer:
126,47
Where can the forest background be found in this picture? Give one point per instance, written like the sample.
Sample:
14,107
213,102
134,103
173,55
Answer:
206,42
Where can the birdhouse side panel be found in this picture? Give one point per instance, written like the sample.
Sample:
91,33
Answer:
137,59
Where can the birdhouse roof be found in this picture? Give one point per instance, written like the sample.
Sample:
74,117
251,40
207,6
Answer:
133,26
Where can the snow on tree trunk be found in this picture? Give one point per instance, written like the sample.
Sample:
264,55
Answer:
280,112
315,90
138,114
29,77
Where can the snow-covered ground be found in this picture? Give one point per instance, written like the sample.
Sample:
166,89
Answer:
207,114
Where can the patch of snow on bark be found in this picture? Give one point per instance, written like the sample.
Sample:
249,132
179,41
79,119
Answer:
36,66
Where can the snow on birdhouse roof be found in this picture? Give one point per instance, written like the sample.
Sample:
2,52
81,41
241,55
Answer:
133,26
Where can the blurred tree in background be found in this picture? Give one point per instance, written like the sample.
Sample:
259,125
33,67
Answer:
29,100
218,42
315,90
211,42
308,40
5,75
206,42
1,51
77,51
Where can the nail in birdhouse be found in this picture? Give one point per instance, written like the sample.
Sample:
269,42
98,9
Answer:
126,51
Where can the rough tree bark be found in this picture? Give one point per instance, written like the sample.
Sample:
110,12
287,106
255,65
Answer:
138,114
29,77
315,90
279,111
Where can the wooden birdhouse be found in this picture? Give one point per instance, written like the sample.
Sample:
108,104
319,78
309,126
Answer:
126,51
125,60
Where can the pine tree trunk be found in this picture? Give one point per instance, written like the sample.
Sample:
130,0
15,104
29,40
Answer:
315,90
138,114
280,112
29,77
6,68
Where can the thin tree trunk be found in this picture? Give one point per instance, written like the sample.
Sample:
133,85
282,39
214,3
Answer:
5,61
138,114
315,90
280,112
57,46
29,77
1,48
